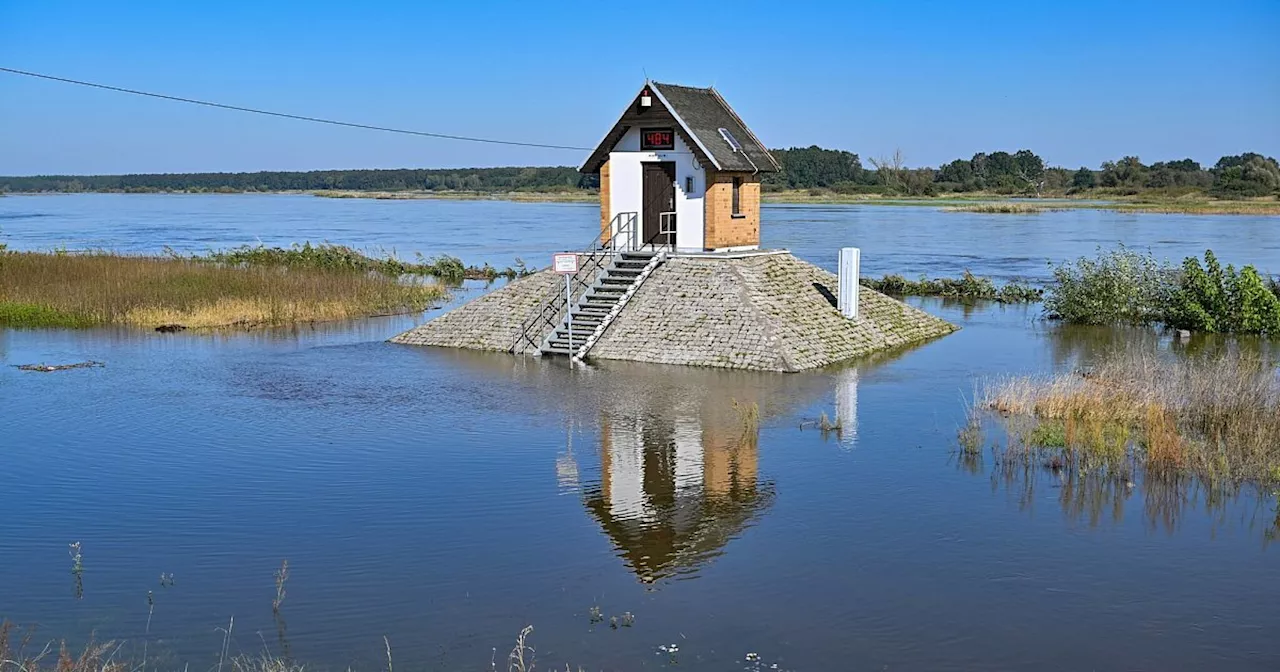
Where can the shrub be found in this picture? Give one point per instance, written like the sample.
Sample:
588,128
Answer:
967,286
1212,299
1120,286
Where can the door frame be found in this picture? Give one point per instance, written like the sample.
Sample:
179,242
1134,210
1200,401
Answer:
669,168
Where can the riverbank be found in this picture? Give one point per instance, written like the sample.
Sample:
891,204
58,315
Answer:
80,290
985,203
1195,203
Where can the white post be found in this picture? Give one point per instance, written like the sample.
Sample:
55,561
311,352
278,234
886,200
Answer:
568,308
850,270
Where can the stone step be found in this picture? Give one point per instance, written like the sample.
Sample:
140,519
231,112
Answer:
561,345
599,302
618,280
555,351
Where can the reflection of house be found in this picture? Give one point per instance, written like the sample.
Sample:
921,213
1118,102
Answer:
674,491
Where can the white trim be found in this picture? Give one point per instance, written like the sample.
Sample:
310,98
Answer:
730,253
675,115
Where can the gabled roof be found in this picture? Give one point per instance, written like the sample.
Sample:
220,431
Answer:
699,116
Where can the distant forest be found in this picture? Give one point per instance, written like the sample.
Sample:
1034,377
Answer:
538,178
1021,173
803,168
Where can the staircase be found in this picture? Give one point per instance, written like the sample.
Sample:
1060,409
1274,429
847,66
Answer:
596,305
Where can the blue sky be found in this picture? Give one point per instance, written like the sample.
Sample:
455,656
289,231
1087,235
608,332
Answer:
1078,82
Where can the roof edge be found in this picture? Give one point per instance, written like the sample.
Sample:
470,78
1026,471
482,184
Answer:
688,131
761,145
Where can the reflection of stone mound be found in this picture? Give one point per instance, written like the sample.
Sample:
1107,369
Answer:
769,312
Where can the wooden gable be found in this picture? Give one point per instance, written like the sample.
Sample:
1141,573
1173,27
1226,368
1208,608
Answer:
655,115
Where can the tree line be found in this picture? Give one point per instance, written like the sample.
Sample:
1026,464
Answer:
1019,173
534,178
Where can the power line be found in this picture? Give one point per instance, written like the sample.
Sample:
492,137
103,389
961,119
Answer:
284,115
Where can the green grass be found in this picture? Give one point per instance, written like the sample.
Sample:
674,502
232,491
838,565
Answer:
967,287
340,257
1048,434
33,315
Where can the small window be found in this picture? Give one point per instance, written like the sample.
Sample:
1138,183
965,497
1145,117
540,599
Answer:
737,196
688,185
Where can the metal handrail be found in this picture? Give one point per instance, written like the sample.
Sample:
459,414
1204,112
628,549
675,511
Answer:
667,223
554,304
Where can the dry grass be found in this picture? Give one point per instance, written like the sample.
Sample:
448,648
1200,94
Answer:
1203,206
1215,416
19,653
90,289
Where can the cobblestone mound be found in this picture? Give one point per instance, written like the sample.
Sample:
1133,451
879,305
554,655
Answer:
490,322
769,312
766,312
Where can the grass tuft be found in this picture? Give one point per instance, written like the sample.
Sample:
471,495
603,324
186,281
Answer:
77,290
1214,416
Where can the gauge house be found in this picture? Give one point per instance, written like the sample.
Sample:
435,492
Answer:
677,274
680,171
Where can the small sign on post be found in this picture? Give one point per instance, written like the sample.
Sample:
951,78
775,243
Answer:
566,264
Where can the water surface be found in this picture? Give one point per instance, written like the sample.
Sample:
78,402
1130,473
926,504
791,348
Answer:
446,499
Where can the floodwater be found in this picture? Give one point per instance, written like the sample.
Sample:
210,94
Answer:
444,499
894,239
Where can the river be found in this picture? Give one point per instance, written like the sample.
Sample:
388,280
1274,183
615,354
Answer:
444,500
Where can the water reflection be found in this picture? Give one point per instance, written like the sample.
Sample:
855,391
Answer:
1098,495
846,383
675,488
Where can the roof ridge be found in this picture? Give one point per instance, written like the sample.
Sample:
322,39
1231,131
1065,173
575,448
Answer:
745,127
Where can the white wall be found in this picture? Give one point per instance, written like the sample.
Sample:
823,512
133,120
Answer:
626,186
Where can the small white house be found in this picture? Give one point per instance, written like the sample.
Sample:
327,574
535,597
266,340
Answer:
680,171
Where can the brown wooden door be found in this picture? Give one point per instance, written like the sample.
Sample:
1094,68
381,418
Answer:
659,196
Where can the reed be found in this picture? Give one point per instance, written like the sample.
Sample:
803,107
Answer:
77,290
1215,416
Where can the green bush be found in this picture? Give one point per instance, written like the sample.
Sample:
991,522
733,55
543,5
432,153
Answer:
1212,299
1126,287
1118,287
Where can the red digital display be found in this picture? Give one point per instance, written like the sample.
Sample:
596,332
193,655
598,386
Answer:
657,138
